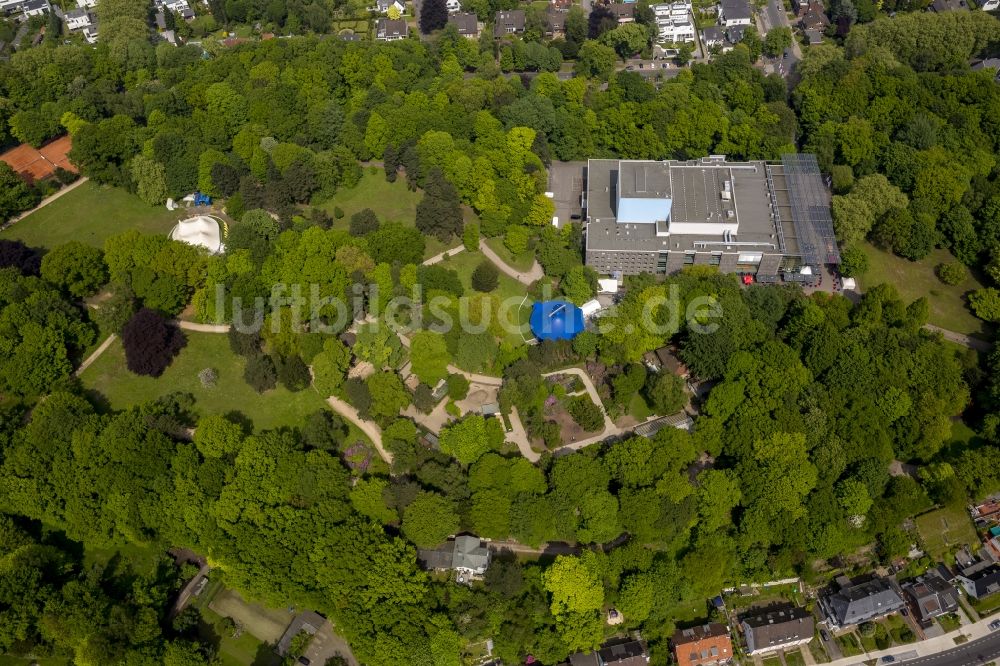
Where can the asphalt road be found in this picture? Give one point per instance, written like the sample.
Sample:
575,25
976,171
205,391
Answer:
981,651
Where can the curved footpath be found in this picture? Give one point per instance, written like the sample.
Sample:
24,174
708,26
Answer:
368,427
96,355
530,277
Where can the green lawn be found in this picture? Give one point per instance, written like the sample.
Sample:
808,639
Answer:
247,650
508,289
794,658
90,214
389,201
519,262
848,645
914,279
949,622
943,529
277,407
638,409
143,559
986,606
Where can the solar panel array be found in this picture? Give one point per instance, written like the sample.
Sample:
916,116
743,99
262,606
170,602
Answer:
810,210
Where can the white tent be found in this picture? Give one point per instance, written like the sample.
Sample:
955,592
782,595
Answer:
201,231
590,308
607,286
849,284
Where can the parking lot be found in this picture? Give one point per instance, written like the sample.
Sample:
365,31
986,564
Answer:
566,181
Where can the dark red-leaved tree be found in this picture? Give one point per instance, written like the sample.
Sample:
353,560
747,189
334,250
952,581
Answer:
151,341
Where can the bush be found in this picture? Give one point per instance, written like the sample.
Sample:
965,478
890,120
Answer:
585,413
338,212
423,399
293,373
952,273
115,312
150,342
853,261
363,222
324,431
358,395
549,432
486,277
260,373
458,387
243,344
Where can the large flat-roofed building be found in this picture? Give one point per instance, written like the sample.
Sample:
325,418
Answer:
769,220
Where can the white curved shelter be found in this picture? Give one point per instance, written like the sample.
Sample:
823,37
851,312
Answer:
201,231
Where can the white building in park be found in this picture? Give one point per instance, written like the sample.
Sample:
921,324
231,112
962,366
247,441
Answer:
201,231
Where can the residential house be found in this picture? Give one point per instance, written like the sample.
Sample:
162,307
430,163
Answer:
989,511
467,24
36,8
707,645
88,4
383,6
980,580
78,19
777,629
813,37
620,652
160,19
665,359
735,34
674,21
626,13
814,17
90,33
555,21
735,12
349,37
931,596
453,6
389,30
10,5
561,5
713,36
992,539
510,22
466,555
861,602
941,6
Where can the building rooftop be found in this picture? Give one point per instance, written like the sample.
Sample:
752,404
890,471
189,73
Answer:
777,626
735,9
466,23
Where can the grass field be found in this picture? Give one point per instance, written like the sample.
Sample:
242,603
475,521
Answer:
519,262
143,559
794,658
914,279
90,214
848,644
944,529
277,407
464,263
247,650
267,624
390,202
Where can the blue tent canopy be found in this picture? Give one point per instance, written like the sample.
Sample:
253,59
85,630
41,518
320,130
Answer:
555,320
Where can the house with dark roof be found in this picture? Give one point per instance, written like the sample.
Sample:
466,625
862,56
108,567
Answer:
389,30
467,24
980,580
777,628
735,12
707,645
861,602
623,13
555,22
508,23
619,652
941,6
931,596
815,19
466,555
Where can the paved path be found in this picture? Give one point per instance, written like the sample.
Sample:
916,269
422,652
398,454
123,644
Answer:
981,647
202,328
961,339
530,277
96,355
46,201
489,380
368,427
553,548
518,436
188,590
440,257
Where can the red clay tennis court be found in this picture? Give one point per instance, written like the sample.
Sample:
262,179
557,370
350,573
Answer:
40,163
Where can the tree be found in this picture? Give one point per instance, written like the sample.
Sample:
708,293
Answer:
217,436
777,40
433,16
853,261
260,372
952,272
439,213
293,373
150,179
363,222
666,393
986,304
586,414
329,367
429,357
470,438
485,277
75,267
579,285
595,60
395,242
429,520
516,239
15,195
458,387
576,600
627,39
470,236
388,395
150,342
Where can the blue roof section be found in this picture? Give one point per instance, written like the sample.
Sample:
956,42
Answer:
643,210
555,320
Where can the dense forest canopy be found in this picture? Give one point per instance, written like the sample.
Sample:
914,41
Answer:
814,397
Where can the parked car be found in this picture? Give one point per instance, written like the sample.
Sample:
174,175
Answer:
888,659
994,625
825,636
